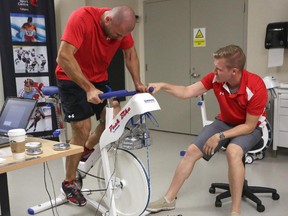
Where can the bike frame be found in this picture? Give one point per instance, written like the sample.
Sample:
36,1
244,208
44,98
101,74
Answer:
140,103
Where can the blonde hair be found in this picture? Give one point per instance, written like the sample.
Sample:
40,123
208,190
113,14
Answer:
234,56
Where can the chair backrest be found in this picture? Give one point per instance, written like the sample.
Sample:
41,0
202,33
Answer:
266,139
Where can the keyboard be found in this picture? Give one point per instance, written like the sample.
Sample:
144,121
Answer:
3,140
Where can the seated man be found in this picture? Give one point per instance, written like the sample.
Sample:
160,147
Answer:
242,98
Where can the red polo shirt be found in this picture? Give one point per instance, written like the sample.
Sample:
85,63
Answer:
251,98
94,52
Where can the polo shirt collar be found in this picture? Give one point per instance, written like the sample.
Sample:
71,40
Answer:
243,84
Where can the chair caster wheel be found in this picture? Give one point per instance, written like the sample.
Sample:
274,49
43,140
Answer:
275,196
260,208
249,159
218,203
261,156
212,190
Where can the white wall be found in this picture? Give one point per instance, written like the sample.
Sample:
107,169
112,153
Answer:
63,10
261,13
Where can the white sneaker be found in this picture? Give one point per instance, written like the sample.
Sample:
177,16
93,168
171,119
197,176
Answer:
161,205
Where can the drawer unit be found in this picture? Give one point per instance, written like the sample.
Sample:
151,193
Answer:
283,139
280,126
283,123
283,111
283,101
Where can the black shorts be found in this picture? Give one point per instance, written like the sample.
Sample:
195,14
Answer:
246,142
74,101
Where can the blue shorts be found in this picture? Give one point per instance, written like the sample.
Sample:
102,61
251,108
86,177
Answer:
74,101
246,142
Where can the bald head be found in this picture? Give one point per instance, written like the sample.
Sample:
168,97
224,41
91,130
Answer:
123,16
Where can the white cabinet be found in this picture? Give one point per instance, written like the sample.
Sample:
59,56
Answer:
280,127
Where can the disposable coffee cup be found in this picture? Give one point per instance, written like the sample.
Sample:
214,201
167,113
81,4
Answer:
17,139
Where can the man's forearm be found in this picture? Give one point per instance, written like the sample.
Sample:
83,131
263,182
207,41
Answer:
239,130
133,67
73,71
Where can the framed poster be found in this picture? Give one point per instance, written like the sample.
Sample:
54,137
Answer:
28,54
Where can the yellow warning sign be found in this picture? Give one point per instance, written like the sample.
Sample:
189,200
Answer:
199,37
199,34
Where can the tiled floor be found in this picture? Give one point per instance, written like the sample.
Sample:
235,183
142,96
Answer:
27,188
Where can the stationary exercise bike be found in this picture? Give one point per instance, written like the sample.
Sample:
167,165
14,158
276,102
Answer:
124,179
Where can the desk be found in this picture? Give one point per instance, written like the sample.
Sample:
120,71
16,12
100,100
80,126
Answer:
10,165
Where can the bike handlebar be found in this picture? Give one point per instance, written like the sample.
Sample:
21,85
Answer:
120,93
50,90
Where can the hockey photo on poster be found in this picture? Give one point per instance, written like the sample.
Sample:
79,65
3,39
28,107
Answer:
31,87
30,59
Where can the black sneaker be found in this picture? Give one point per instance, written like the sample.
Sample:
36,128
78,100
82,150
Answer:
73,193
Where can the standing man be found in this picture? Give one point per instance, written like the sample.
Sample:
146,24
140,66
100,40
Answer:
242,98
89,42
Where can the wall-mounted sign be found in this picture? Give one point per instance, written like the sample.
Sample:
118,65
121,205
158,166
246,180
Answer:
199,37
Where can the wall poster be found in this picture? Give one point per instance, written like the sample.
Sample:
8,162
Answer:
28,54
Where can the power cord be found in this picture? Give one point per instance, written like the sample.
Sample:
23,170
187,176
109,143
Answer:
45,165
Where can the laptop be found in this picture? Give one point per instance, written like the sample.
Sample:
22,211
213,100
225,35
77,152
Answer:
15,113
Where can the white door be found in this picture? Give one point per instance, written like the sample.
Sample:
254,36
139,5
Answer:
223,22
167,58
170,55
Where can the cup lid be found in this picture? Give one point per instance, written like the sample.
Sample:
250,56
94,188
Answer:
16,132
32,145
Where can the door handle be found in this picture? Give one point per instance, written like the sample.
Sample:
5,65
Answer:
195,75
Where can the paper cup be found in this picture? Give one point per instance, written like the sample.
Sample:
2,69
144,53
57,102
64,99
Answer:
17,143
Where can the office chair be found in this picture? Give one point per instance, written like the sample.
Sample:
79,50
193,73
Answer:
248,191
256,153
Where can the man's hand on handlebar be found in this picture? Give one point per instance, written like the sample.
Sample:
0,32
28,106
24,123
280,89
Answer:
92,96
140,87
96,96
155,86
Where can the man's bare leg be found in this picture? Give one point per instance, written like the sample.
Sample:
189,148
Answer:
183,171
95,135
80,133
236,175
